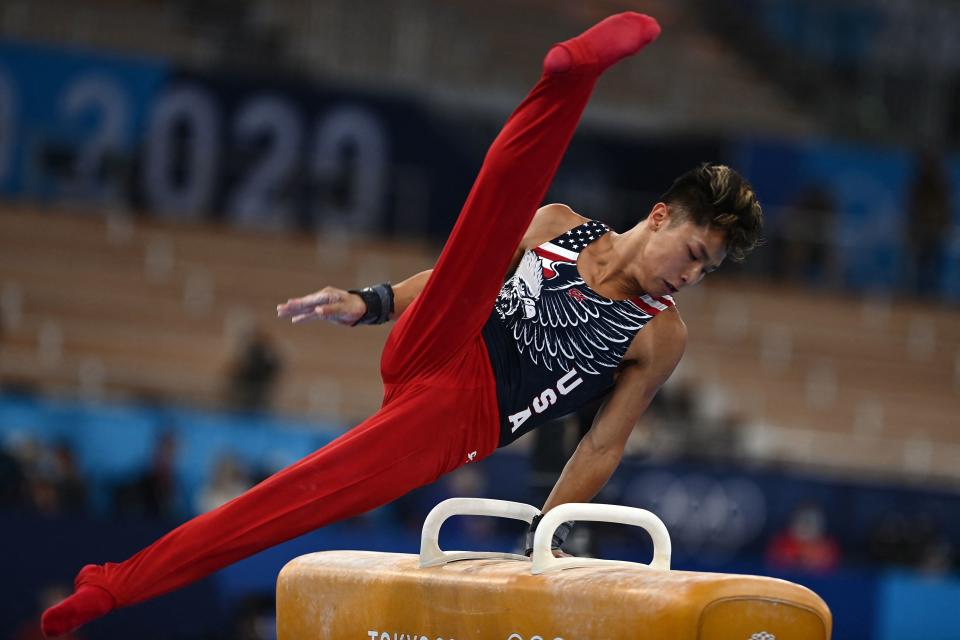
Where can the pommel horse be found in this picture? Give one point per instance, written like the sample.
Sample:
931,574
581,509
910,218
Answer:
468,595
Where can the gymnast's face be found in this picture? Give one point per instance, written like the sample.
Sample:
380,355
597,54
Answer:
677,253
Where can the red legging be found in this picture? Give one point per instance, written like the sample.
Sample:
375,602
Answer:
440,407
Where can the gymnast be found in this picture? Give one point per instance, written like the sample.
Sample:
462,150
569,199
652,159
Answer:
473,363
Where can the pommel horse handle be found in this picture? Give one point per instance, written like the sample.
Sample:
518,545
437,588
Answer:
544,562
430,552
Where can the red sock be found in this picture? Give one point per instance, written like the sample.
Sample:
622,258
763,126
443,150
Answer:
605,43
87,603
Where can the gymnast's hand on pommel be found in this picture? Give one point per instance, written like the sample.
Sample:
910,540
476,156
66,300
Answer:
330,303
559,537
557,553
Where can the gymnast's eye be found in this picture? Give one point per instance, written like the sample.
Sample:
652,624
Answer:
690,251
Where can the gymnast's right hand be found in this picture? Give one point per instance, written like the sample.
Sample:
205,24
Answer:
330,304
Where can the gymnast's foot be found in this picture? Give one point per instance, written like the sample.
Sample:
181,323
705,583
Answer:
87,603
607,42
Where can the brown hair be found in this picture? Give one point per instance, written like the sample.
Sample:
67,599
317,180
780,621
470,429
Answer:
714,195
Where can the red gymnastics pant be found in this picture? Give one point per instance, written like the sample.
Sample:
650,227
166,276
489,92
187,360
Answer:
440,406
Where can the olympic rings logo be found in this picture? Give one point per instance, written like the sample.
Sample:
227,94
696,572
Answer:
714,514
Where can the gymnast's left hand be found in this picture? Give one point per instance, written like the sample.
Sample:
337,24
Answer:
557,553
330,304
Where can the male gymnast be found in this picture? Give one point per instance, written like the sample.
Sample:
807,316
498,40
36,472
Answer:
473,363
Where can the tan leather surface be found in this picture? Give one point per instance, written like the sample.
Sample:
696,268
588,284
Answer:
760,618
355,594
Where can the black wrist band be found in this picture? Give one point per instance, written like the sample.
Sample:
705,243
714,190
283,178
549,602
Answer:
559,536
379,301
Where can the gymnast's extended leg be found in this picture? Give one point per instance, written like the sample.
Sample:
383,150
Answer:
518,169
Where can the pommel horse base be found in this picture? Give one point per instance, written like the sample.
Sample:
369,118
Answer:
444,595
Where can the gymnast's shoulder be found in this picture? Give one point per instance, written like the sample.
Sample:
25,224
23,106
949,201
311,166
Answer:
548,222
555,218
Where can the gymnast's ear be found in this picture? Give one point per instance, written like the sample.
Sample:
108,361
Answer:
659,216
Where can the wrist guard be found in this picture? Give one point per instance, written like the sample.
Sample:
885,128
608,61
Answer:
379,301
559,536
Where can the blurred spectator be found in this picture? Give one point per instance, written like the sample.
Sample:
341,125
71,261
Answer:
911,541
716,439
37,491
682,423
51,482
229,480
71,487
152,493
928,224
254,372
663,430
12,480
804,544
937,558
803,250
889,541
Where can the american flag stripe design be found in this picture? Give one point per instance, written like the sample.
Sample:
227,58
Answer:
652,305
553,252
659,303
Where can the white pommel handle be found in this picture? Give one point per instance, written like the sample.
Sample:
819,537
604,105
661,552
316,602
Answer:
544,561
430,553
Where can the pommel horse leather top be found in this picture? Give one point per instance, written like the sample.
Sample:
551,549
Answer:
443,595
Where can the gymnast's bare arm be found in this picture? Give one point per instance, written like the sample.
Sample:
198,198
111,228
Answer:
344,308
651,359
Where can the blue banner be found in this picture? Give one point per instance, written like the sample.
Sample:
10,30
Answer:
65,115
280,152
858,202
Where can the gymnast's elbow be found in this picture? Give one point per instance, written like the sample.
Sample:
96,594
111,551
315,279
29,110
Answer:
607,437
602,448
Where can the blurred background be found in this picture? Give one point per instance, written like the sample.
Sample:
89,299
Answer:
171,170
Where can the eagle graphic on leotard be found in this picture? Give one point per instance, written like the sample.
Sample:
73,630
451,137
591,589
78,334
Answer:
559,321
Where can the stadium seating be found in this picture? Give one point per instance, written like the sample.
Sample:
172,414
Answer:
112,307
458,55
89,305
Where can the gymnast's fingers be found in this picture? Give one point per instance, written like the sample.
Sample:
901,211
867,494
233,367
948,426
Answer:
310,316
293,307
306,304
338,313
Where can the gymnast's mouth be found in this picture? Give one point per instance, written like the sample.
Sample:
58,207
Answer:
670,287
